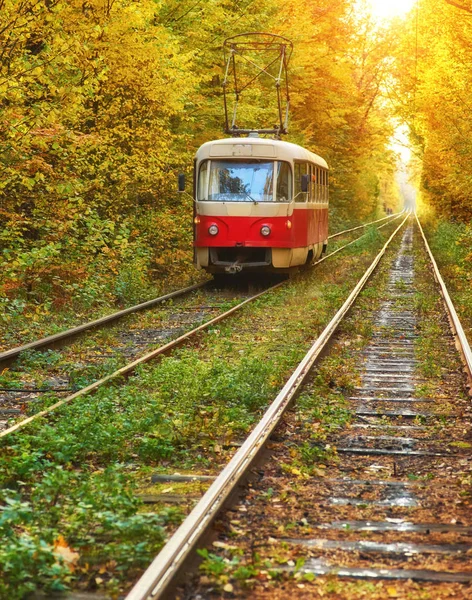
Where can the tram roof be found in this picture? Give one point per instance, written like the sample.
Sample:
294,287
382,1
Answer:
259,148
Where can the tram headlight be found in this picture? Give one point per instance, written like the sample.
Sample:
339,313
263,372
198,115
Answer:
213,230
265,230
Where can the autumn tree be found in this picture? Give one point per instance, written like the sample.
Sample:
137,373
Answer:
102,102
433,82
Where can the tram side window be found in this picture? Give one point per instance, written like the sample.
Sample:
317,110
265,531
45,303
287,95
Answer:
299,170
314,183
325,186
284,182
311,188
203,181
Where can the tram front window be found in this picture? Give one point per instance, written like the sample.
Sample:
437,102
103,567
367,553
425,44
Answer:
237,181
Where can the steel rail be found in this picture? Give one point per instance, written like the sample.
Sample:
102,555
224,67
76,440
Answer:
323,258
129,368
461,339
51,340
8,356
164,568
392,217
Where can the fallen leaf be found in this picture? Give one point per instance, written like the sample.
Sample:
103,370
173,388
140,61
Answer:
223,545
62,550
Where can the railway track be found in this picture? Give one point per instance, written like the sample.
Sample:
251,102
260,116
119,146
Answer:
379,491
63,338
105,355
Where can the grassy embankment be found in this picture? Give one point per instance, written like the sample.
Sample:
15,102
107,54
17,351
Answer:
451,244
123,272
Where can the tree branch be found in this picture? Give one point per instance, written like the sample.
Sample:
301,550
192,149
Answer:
459,6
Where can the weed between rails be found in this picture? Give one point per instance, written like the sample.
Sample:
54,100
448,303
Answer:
69,484
100,353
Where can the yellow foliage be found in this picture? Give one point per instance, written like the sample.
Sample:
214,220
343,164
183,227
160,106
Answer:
434,80
103,102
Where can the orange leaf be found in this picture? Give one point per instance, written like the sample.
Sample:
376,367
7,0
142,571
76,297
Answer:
63,551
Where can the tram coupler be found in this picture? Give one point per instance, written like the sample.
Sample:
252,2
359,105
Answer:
234,268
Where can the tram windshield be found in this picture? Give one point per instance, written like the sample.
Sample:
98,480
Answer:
244,181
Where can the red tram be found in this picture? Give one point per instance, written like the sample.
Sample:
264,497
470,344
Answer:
260,204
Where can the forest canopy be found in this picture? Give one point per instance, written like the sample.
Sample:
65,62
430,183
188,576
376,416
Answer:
103,102
433,82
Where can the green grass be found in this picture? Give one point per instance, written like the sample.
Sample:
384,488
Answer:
451,244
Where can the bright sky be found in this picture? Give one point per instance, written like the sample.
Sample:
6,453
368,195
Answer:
385,9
